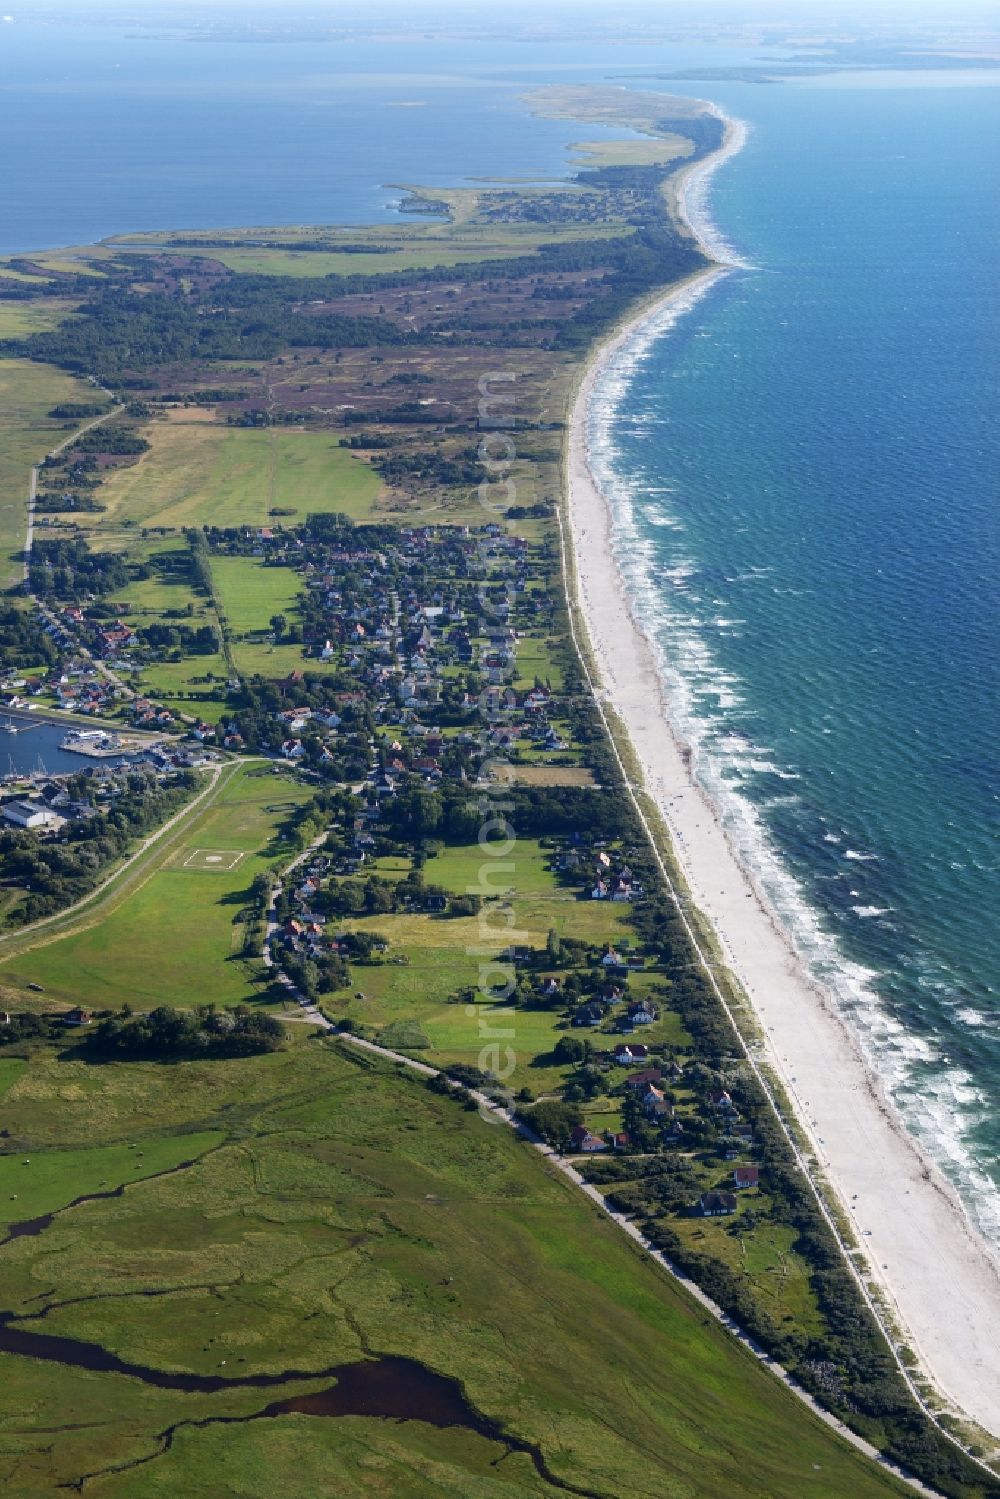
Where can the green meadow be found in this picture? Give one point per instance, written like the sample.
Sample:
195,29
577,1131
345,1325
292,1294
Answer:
175,938
32,1185
289,262
196,473
248,594
335,1209
27,393
432,958
18,319
180,685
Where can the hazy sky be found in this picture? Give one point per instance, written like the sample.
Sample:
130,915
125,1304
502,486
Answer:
516,13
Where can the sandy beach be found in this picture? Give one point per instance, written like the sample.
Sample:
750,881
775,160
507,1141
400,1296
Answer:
931,1266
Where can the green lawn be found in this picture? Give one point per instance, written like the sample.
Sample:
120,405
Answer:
200,474
173,939
778,1277
249,593
535,659
178,684
350,1208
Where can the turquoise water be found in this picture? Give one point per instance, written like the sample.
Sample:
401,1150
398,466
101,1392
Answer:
804,474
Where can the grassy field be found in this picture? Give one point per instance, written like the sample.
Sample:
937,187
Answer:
393,247
9,274
27,393
68,265
444,955
197,474
282,262
172,940
249,594
48,1182
349,1212
10,1070
17,319
179,684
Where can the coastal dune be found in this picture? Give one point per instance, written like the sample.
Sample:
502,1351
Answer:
936,1273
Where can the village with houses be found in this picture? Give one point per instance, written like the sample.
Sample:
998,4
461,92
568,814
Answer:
430,671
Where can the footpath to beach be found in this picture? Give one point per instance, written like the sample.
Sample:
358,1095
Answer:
933,1270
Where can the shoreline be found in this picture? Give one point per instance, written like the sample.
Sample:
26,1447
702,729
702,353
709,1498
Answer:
923,1256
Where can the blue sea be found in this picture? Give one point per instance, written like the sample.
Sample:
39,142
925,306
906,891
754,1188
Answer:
804,475
803,468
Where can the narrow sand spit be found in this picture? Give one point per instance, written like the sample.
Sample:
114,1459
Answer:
931,1265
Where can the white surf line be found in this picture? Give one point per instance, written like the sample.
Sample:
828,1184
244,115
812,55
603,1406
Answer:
595,533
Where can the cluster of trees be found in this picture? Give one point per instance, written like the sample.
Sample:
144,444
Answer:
200,563
552,1120
51,503
169,1035
201,641
704,131
55,873
430,466
407,413
81,472
77,411
119,330
376,897
321,973
364,441
254,916
649,259
66,568
22,640
27,1027
121,441
450,812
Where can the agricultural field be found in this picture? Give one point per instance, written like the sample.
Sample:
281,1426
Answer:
28,392
199,474
334,1213
175,939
